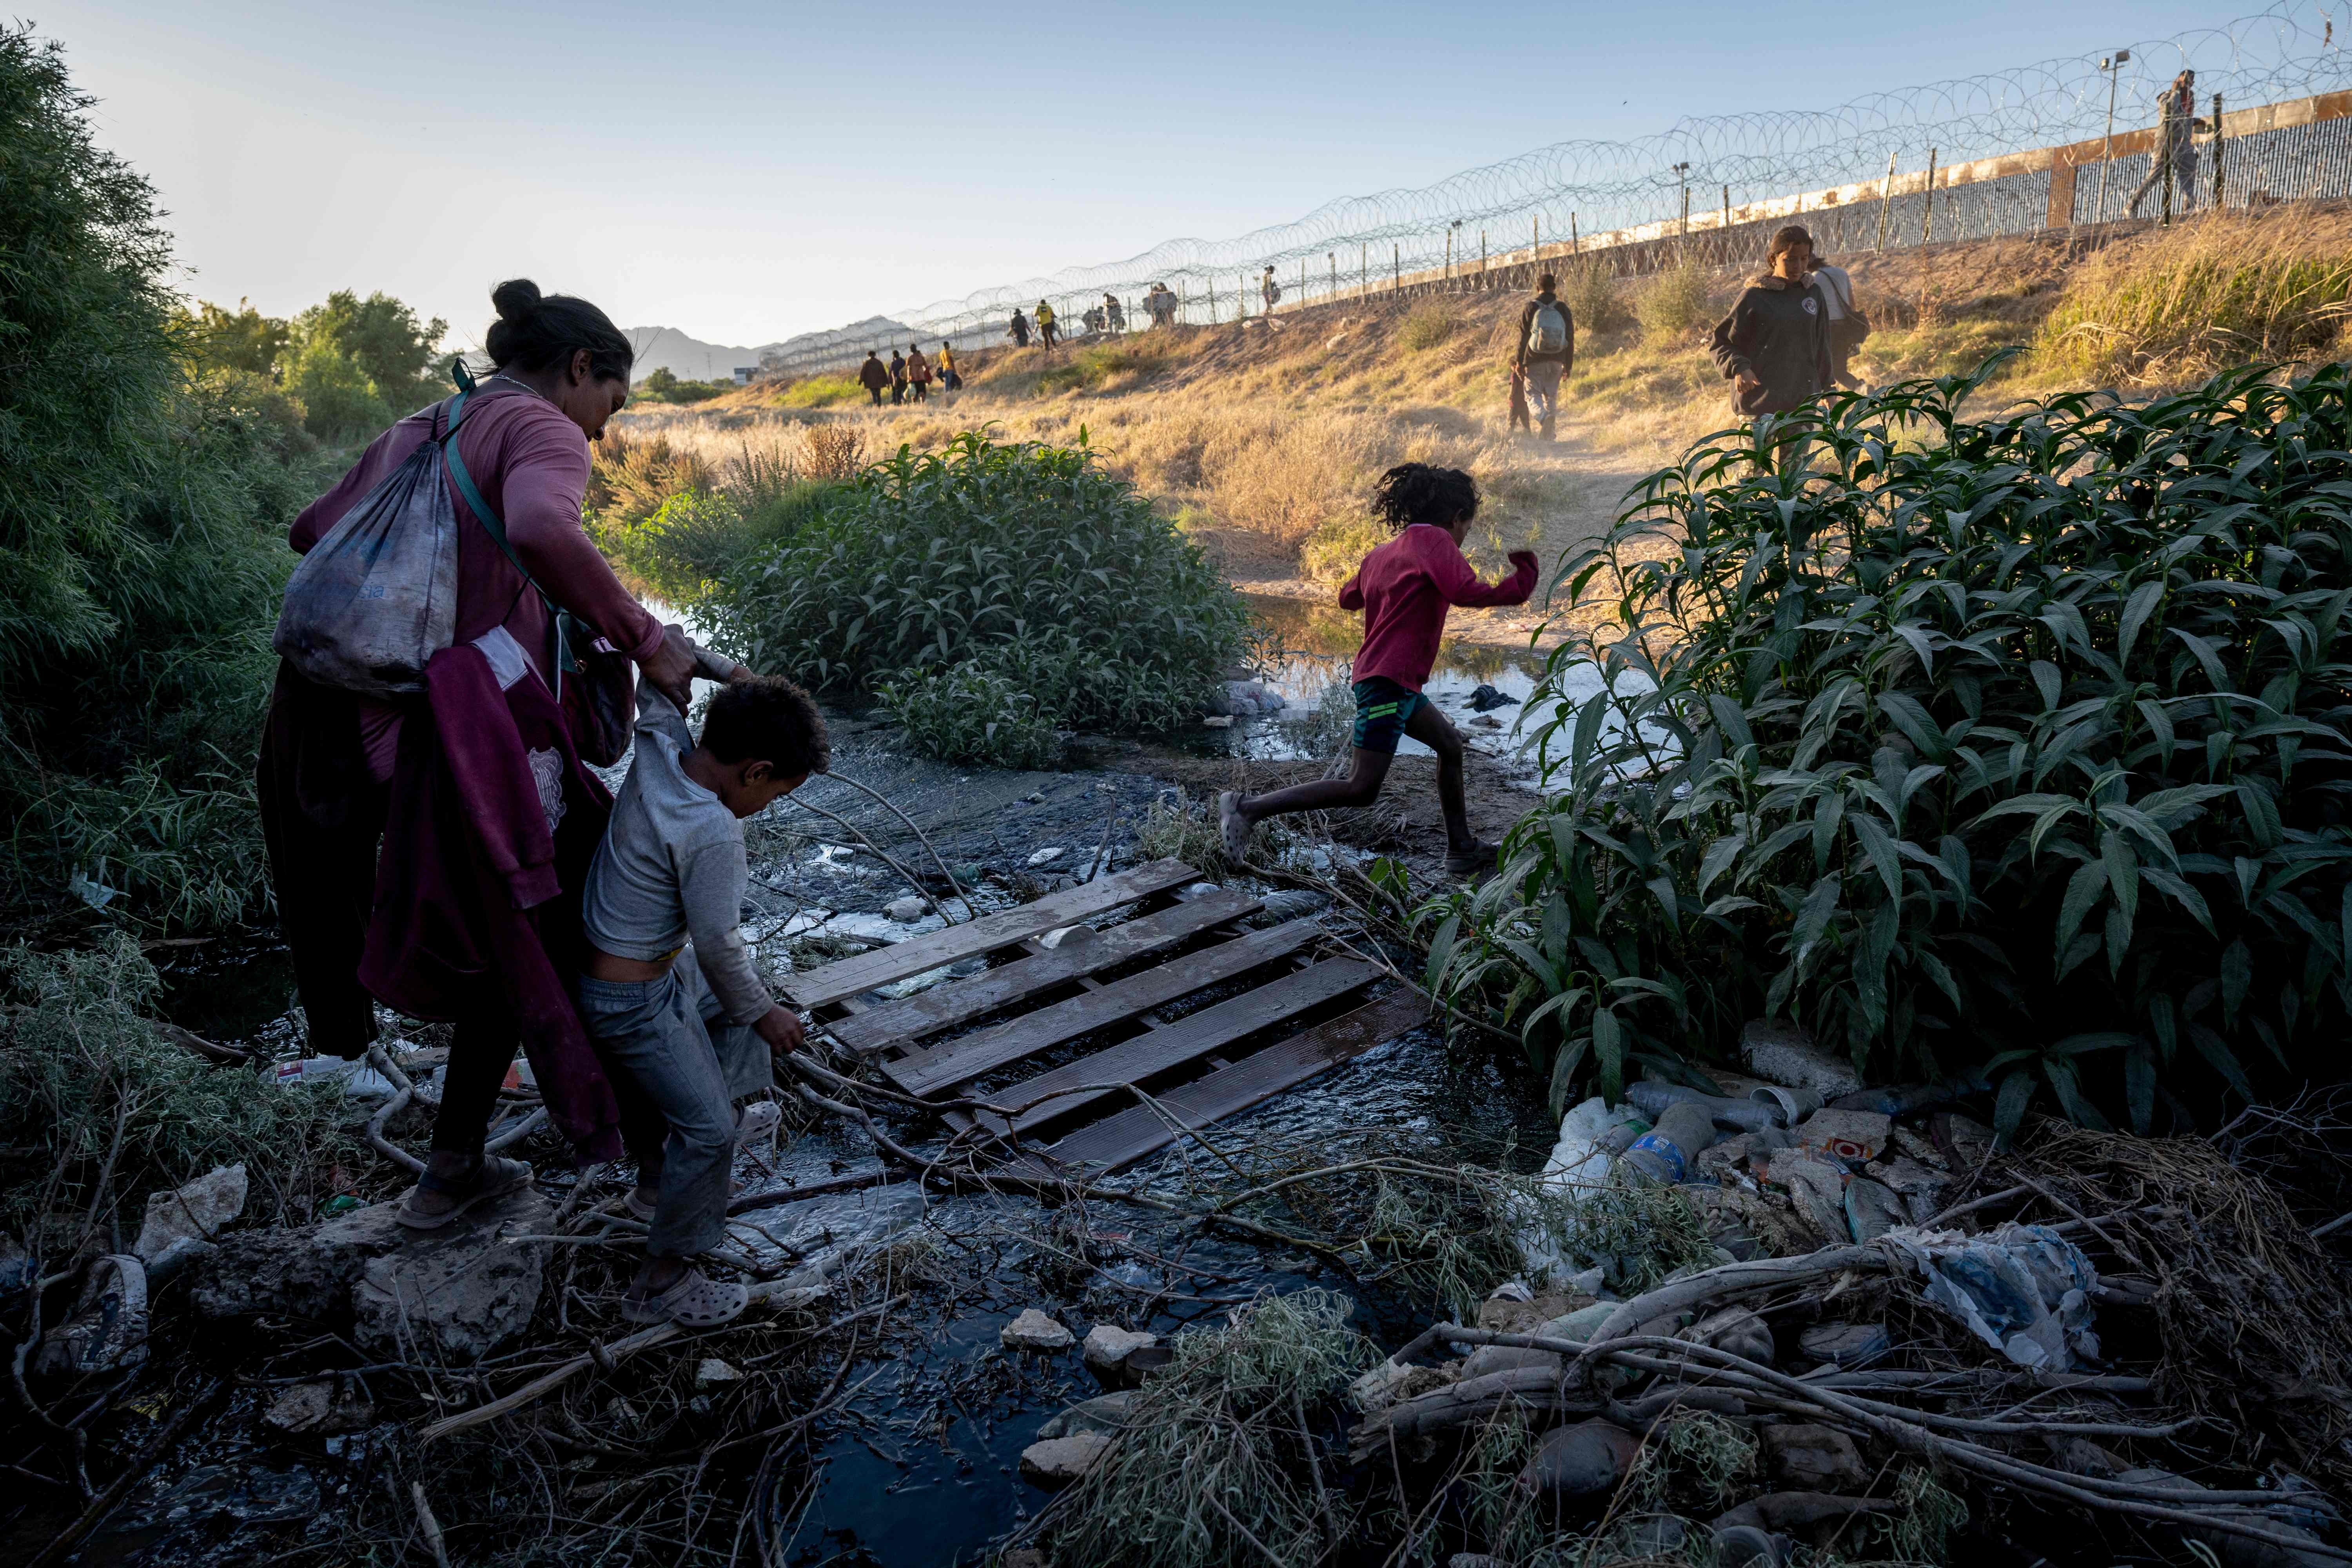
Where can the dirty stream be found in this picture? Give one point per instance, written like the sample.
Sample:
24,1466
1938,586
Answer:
920,1465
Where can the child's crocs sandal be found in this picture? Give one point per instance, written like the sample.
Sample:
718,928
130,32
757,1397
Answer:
1233,826
498,1177
696,1302
757,1122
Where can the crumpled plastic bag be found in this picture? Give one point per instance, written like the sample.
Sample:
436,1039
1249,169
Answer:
2024,1289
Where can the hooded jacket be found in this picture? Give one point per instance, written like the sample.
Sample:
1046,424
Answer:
1778,332
873,375
1522,354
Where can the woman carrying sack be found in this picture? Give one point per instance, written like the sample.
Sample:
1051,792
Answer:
1846,326
469,770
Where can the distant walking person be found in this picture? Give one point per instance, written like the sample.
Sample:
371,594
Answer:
1546,351
1019,329
918,372
1269,291
1774,347
950,380
1046,333
897,378
1847,325
2176,130
873,376
1113,315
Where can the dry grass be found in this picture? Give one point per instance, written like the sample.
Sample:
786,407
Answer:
1265,439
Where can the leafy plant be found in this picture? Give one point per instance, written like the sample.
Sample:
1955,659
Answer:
820,391
1028,560
2014,747
1673,304
1333,552
1589,288
1429,323
971,712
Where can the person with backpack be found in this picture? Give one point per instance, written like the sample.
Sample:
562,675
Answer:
1045,334
1546,351
2176,144
1269,291
1114,313
1019,331
897,378
874,375
918,372
428,827
1774,346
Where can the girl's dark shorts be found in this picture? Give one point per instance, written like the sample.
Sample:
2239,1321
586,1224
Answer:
1382,708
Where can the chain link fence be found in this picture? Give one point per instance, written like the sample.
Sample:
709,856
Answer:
2049,146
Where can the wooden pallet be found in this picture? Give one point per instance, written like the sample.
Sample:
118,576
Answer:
1148,1078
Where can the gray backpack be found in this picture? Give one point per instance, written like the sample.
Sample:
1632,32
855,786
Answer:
1548,332
377,596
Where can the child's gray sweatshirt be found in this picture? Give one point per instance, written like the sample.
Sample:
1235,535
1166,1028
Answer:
671,869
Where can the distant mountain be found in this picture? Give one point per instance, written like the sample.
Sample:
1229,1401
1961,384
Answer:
691,359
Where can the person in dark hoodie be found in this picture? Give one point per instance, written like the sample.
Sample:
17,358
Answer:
898,377
874,375
1774,347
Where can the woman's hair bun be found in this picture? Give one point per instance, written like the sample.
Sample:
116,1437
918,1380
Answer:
515,298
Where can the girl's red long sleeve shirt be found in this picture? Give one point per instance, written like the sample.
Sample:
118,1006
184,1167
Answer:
1404,589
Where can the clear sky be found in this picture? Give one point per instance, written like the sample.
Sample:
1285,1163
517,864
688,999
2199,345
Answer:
747,171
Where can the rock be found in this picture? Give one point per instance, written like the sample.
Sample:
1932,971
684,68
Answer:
1105,1412
1107,1349
1033,1330
1050,853
1289,903
457,1294
1871,1209
1735,1330
711,1369
1746,1546
1786,1055
1919,1147
1058,1461
107,1330
1509,1358
1529,1317
1816,1188
1486,697
1845,1134
320,1409
1218,721
1845,1346
1805,1458
1485,721
304,1273
1921,1189
906,911
1592,1456
1388,1383
195,1211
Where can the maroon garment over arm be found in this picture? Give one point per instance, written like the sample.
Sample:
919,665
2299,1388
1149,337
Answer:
1404,588
477,906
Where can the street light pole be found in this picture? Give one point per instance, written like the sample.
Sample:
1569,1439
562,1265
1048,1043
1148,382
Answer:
2113,65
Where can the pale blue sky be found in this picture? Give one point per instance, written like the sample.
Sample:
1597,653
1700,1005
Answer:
743,171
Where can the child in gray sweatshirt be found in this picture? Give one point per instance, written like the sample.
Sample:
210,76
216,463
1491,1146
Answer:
670,995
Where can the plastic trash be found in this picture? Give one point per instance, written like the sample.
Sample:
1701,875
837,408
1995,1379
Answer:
1745,1115
2024,1289
1794,1104
1666,1152
107,1330
1580,1164
1872,1208
359,1080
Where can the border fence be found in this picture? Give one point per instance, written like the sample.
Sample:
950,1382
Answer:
2045,146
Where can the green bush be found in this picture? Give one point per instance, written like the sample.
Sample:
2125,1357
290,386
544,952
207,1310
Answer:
2014,747
693,537
971,712
1589,288
1673,304
142,524
97,1111
1030,560
664,387
1334,551
820,391
1429,323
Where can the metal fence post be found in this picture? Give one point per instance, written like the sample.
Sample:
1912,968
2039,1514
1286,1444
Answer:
1396,260
1571,250
2217,152
1928,218
1886,196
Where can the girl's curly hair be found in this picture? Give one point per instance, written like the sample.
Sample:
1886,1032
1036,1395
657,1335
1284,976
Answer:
1423,492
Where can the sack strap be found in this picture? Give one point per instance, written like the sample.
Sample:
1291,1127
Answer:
561,619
